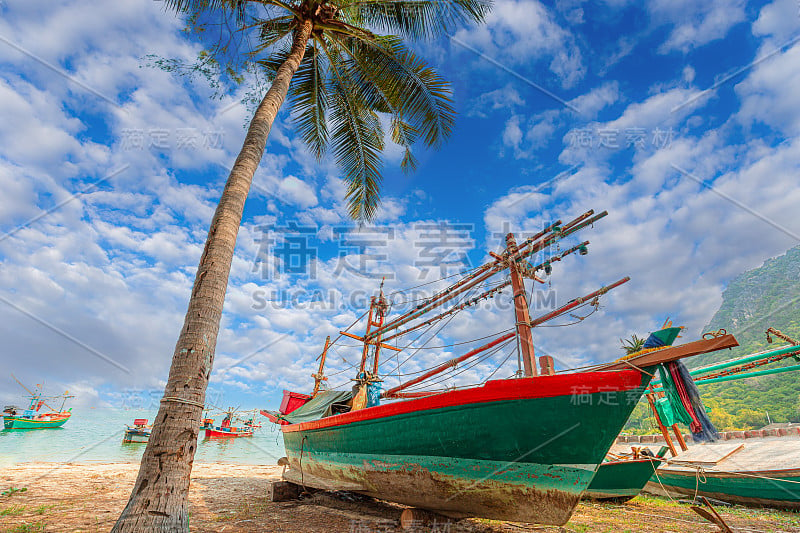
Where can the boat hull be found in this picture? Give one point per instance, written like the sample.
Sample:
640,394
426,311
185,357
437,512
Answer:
768,488
136,436
522,450
621,480
218,433
15,422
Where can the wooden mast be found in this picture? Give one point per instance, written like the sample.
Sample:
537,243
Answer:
521,309
319,377
380,307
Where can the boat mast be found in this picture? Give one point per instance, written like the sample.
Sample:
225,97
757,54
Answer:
319,377
523,322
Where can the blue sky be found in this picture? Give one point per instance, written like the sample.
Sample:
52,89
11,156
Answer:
679,118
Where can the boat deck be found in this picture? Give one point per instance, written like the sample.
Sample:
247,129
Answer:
740,455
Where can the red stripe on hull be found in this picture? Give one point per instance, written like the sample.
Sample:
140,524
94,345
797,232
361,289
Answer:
215,433
492,391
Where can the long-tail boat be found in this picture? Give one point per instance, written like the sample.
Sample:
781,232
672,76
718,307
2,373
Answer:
226,429
138,432
34,417
522,449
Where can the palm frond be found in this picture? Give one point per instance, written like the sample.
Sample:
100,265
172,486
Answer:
370,85
272,31
236,7
309,100
417,93
415,19
357,141
405,135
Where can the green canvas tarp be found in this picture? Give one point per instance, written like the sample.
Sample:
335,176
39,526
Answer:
318,407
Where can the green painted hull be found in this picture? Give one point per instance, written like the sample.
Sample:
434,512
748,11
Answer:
525,460
13,422
621,480
781,490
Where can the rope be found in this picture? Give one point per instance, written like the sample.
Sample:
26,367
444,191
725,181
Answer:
639,369
181,400
302,479
434,281
437,347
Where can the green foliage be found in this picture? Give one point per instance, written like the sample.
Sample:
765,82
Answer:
12,490
632,345
768,296
27,528
348,80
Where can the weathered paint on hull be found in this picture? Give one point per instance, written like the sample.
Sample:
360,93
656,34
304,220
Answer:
730,487
461,487
621,480
12,422
522,450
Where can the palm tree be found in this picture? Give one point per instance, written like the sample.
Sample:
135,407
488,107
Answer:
339,77
632,345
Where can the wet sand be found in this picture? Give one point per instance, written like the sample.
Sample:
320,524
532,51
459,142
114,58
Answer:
232,499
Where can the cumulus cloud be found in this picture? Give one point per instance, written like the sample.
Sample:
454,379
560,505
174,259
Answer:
517,32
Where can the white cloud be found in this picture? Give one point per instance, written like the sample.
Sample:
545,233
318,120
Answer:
696,23
768,94
517,32
778,20
297,192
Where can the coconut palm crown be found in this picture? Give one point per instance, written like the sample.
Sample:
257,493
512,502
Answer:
354,68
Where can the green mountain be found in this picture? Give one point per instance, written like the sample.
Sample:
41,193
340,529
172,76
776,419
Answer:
768,296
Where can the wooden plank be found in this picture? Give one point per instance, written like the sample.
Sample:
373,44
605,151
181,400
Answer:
282,491
706,456
673,353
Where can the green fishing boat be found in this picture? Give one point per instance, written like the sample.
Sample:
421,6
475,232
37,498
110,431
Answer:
34,417
761,488
621,479
522,449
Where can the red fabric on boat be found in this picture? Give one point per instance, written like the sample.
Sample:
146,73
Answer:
684,396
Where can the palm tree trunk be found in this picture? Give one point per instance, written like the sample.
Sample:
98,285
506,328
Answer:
159,501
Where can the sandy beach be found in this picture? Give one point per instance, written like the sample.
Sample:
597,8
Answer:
231,498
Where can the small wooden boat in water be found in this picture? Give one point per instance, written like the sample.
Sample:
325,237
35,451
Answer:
139,432
225,429
34,417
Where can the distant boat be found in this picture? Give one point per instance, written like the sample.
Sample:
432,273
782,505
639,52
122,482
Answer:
33,417
139,432
225,429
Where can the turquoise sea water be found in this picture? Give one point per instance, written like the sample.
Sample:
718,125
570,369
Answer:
95,435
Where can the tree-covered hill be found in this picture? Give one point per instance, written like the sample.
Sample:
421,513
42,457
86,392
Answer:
768,296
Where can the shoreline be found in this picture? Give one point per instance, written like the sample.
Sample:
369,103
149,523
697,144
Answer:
231,498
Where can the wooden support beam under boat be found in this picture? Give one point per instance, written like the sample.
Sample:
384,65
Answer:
672,353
